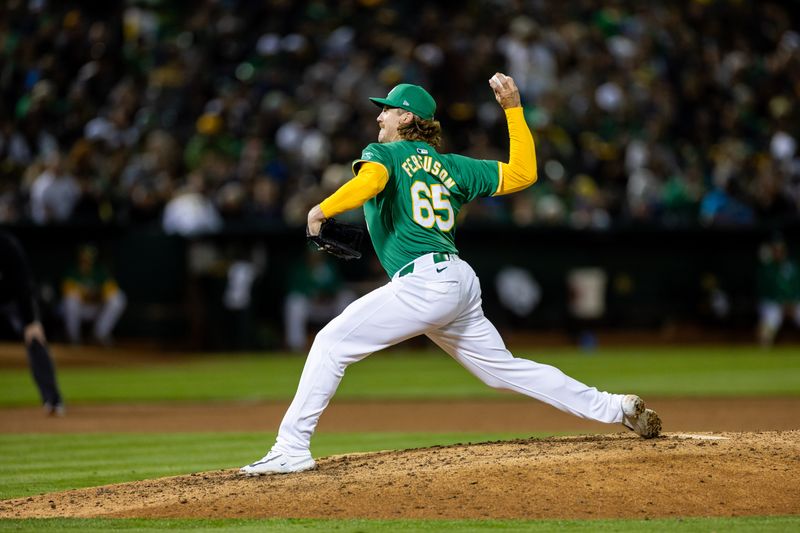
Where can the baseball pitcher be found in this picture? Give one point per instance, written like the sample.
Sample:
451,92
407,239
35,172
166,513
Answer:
412,195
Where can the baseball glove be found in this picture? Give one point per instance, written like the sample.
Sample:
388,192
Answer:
339,239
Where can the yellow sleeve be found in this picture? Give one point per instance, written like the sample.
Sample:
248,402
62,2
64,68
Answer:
71,288
370,180
520,172
110,288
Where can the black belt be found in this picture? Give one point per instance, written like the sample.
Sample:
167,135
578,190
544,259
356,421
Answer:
438,257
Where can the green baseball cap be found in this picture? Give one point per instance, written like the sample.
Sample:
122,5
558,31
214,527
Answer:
411,98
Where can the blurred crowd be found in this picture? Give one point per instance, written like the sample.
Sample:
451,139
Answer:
193,116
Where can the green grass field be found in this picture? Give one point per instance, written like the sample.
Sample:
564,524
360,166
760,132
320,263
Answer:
689,525
33,464
705,371
61,462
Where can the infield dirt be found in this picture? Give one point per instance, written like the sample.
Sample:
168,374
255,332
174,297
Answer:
602,476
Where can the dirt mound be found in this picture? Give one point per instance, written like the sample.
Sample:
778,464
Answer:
608,476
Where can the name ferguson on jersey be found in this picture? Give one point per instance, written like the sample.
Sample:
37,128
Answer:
430,165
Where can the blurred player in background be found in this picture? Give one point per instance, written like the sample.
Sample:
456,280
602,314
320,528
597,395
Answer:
316,294
91,294
778,290
18,304
411,196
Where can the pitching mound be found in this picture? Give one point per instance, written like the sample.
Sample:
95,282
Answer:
609,476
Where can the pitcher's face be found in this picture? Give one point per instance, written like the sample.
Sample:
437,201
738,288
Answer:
389,121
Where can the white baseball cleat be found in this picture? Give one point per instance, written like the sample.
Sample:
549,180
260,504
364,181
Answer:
645,422
278,463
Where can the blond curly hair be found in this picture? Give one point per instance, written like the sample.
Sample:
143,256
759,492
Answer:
428,131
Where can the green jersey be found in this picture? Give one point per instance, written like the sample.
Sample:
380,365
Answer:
779,281
415,214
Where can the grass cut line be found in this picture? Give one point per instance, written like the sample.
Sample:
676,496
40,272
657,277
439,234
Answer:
665,372
750,524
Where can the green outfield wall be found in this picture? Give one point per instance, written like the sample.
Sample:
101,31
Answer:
652,277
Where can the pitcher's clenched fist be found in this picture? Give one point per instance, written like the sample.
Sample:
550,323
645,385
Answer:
505,90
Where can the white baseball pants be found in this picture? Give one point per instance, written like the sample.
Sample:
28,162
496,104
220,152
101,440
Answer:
105,315
443,301
771,314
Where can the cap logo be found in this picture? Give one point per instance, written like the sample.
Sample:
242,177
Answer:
405,102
